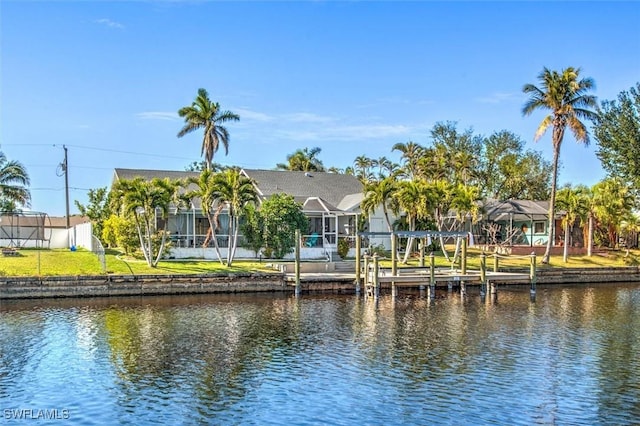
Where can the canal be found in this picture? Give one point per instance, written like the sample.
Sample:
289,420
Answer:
572,357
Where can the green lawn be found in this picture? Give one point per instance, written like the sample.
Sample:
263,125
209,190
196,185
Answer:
609,258
32,262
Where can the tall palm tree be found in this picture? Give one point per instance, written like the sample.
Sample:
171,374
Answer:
13,182
362,168
303,160
565,96
205,114
410,153
235,191
385,167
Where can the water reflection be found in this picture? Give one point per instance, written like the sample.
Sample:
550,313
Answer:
569,358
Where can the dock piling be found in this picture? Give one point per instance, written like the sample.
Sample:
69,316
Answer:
358,265
394,254
432,276
532,275
376,276
367,276
463,257
483,275
297,263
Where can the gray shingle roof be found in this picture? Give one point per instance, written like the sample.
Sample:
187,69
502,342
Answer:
343,191
331,187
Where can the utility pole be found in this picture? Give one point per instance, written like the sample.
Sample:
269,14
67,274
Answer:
65,169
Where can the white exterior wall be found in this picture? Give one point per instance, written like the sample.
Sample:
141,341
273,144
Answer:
378,223
209,253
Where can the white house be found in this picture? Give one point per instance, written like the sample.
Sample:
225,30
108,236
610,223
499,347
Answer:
331,201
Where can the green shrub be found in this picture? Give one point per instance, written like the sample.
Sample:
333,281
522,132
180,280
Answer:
343,248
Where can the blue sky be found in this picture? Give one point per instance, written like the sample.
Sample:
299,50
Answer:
106,79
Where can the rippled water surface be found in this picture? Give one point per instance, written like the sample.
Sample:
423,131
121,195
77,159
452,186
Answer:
570,358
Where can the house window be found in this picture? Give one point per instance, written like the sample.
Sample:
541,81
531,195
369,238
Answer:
315,225
538,227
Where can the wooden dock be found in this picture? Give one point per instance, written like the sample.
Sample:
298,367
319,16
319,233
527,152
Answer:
475,277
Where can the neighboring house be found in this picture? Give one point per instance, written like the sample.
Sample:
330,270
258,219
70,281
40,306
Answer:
331,201
526,221
37,230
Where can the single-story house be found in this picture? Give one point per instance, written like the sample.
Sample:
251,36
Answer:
525,221
331,201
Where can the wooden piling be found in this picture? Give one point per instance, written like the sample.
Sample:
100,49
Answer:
366,270
495,262
297,262
483,274
394,255
432,276
463,257
532,275
358,259
376,276
422,244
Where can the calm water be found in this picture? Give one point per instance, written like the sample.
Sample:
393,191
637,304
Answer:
570,358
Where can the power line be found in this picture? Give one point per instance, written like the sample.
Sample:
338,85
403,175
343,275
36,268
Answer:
145,154
90,148
129,152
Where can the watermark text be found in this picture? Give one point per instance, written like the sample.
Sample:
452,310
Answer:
35,414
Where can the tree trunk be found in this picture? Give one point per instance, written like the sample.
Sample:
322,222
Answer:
212,226
386,217
412,227
164,238
558,132
590,236
229,243
565,251
235,240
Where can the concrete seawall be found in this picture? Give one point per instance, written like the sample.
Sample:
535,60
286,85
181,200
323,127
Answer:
138,285
588,275
142,285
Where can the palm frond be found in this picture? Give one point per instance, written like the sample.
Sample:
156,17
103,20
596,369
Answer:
543,126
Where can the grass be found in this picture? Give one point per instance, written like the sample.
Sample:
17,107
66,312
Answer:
32,262
611,258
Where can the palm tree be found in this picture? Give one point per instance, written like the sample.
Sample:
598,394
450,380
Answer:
205,114
575,205
614,204
442,194
565,96
410,154
142,200
415,198
385,167
206,191
235,191
13,182
362,168
379,194
303,160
